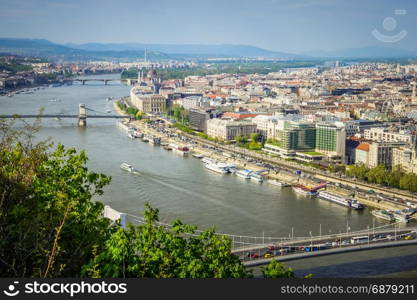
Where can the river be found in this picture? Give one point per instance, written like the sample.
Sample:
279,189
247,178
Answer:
180,187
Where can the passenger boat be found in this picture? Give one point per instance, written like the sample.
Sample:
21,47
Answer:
138,134
349,202
156,141
244,173
126,167
277,183
303,190
383,214
207,160
216,168
183,150
231,168
256,176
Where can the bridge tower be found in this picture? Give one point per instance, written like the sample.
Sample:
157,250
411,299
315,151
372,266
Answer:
82,115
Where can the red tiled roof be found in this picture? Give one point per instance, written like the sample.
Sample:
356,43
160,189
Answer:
363,147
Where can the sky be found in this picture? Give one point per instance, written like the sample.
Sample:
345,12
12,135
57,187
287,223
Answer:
296,26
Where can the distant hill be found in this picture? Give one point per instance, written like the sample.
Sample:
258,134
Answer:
45,48
226,50
366,52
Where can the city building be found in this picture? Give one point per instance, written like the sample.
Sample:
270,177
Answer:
148,103
331,140
198,118
362,154
389,136
228,129
380,153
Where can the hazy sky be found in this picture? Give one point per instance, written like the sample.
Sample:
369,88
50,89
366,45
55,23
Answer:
282,25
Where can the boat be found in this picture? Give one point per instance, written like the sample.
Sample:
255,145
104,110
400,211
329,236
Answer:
231,168
216,168
145,139
349,202
126,167
401,216
138,134
383,214
303,190
167,147
155,141
183,150
256,176
108,111
277,183
207,160
243,173
198,156
131,135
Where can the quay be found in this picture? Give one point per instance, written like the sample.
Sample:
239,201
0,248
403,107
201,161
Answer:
284,175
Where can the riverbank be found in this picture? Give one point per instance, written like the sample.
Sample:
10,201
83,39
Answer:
285,174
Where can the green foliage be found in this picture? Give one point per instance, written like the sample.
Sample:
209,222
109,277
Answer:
49,225
13,65
139,115
179,113
229,67
274,142
154,251
256,137
241,140
183,128
203,135
380,175
277,270
121,105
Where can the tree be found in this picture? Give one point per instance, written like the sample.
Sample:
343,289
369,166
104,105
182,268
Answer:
276,270
48,223
241,139
256,137
50,227
155,251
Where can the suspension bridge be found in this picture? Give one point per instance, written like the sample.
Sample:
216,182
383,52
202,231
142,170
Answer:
82,115
258,250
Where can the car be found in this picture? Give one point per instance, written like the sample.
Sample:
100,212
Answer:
409,237
390,237
345,242
272,247
268,255
252,255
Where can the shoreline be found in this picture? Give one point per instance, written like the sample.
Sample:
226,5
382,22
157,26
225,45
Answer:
280,176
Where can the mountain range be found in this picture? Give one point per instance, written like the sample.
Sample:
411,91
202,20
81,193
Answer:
134,51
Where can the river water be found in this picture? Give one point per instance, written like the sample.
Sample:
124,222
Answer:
180,187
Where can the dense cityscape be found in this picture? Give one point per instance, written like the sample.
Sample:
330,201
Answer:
209,152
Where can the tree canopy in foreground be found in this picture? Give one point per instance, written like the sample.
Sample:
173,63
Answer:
50,227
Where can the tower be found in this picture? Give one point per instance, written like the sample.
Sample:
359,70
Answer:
413,94
82,116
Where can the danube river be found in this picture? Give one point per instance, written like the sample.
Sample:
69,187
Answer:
180,187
